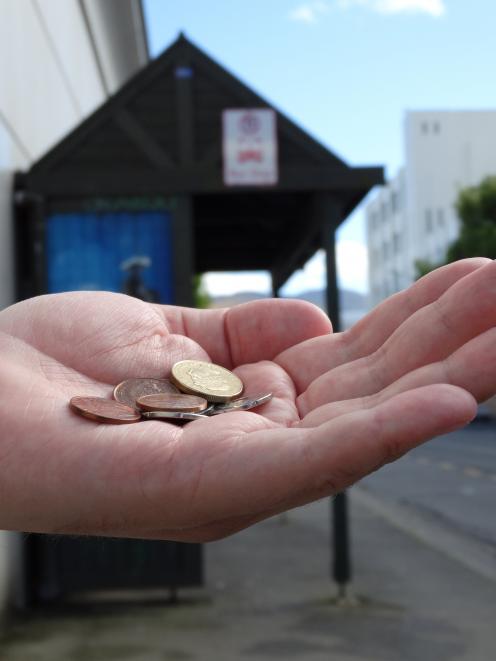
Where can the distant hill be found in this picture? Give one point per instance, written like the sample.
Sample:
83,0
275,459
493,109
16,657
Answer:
353,304
349,299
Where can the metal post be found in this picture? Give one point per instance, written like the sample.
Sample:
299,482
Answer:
341,565
283,517
274,287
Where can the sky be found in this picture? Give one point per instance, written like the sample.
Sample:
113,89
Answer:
345,71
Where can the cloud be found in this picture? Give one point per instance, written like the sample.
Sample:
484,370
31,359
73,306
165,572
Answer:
434,8
309,12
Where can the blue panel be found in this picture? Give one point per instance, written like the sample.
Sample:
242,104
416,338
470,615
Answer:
117,251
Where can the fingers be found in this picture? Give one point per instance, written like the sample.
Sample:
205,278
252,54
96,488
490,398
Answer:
431,334
309,360
366,440
112,336
273,470
250,332
471,367
367,336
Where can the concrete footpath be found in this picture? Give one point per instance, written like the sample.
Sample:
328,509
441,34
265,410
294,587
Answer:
268,596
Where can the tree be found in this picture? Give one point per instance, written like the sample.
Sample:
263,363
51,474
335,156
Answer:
476,208
200,294
424,266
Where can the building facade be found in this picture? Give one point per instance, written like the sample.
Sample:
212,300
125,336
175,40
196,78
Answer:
59,60
413,217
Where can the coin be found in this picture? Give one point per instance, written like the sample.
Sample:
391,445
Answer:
171,415
208,380
130,390
104,410
166,402
208,410
242,404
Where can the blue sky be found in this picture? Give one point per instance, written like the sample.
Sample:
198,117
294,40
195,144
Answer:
345,71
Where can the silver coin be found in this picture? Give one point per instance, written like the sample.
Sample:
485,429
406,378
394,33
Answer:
207,411
170,415
242,404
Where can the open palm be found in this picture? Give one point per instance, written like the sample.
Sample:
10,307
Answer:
343,405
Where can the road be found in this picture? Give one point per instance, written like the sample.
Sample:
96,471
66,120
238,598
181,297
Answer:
451,480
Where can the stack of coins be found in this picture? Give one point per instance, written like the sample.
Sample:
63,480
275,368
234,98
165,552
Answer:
195,389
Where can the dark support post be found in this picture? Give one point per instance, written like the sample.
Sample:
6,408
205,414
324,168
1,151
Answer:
185,112
183,251
29,230
183,242
341,570
275,288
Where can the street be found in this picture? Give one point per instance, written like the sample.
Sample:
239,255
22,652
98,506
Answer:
451,480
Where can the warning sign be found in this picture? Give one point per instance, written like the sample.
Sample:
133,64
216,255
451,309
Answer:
249,146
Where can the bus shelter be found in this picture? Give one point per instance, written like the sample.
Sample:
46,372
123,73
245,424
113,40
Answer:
184,170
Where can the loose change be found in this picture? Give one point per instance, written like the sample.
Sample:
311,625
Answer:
195,389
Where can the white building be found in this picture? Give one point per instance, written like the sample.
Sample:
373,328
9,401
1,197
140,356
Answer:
413,217
59,60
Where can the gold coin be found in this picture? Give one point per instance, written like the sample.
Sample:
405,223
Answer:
215,383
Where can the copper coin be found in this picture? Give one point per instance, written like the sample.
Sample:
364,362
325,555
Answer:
131,390
165,402
104,410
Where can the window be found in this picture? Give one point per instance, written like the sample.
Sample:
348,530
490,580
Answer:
428,221
424,127
396,281
384,211
396,243
394,201
440,217
436,127
385,250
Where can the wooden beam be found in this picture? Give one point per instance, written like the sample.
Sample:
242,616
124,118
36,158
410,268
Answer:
183,251
143,140
185,111
198,179
304,241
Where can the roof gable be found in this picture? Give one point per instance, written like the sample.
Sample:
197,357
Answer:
140,127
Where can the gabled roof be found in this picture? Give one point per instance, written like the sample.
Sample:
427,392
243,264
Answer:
161,135
139,132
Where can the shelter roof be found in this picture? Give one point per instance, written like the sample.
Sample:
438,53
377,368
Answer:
161,134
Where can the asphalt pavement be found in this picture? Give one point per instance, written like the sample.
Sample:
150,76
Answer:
450,483
268,594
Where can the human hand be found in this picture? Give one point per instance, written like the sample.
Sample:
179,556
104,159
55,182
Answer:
343,404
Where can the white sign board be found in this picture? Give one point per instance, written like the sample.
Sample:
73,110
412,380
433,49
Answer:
249,147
